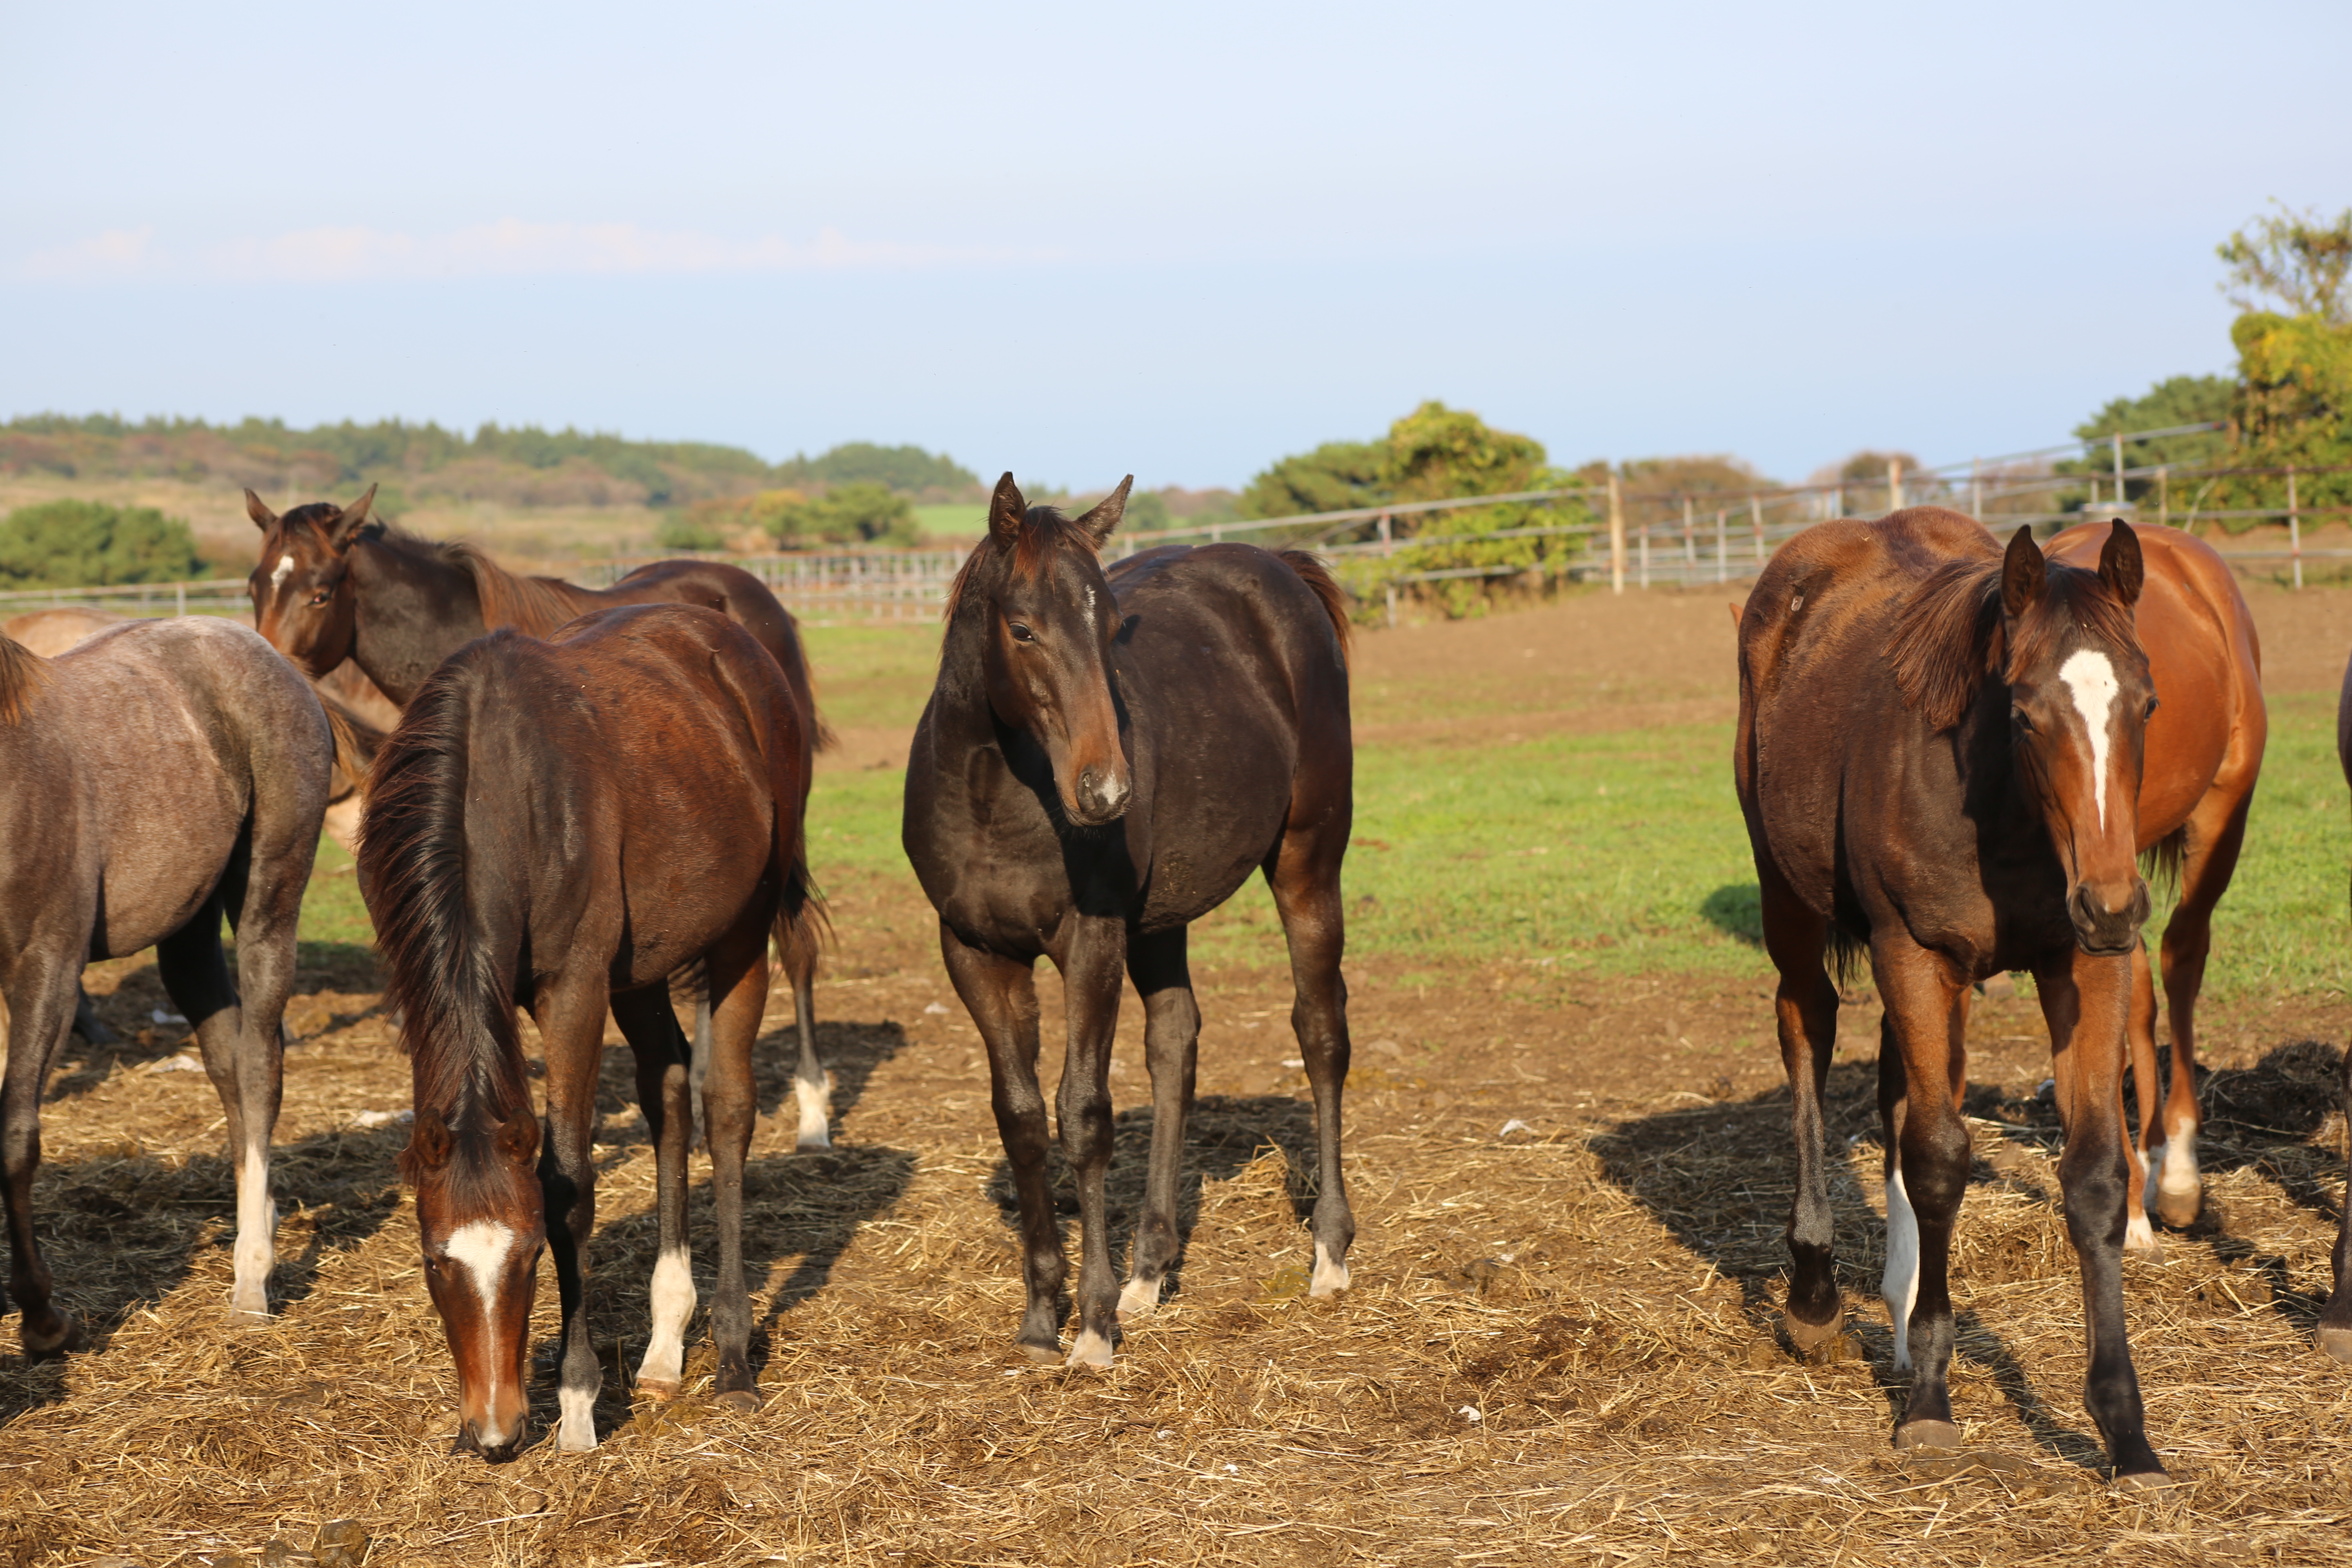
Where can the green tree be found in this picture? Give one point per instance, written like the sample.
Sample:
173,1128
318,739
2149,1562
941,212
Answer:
911,471
2292,257
2294,407
1337,476
81,543
2174,401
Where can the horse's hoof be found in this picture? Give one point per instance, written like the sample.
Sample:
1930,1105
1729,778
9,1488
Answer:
1810,1337
2180,1209
1927,1435
1140,1299
743,1400
2145,1481
2336,1342
1090,1349
575,1436
68,1339
2140,1240
1048,1354
660,1390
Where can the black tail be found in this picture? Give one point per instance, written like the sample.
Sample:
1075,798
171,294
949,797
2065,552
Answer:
2160,862
1849,957
455,997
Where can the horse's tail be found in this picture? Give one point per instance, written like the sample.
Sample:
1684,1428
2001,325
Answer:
2160,861
358,744
804,926
1326,590
454,999
22,673
1848,958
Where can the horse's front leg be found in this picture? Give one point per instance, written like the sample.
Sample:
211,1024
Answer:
811,1085
738,982
2084,999
1927,1173
2335,1320
651,1028
1171,1037
1093,960
40,1012
1001,995
570,1013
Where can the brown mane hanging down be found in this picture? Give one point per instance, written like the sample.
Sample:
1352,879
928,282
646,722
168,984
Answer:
534,606
22,671
1951,634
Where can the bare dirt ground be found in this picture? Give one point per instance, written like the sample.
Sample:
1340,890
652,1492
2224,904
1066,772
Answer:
1562,1344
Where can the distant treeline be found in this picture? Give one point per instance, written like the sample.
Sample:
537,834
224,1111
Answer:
521,465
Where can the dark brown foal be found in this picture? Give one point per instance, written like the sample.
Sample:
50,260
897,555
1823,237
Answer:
1105,760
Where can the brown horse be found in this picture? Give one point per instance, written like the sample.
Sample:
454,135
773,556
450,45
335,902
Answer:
335,583
1939,761
160,776
562,825
2204,755
1106,758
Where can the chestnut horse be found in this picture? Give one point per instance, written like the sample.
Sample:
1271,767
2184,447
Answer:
2204,755
335,583
160,776
562,825
1940,761
1105,759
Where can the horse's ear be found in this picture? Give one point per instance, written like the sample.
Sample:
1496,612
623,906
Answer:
1007,512
430,1144
1103,515
347,525
263,518
2021,573
519,1138
2120,567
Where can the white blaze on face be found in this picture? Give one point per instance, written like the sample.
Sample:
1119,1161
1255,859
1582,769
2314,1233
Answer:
2091,677
283,570
482,1246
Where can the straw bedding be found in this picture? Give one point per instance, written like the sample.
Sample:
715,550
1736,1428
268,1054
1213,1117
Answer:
1561,1347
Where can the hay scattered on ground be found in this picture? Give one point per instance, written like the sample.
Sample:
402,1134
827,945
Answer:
1562,1347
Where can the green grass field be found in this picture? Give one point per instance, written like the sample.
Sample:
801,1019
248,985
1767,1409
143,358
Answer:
1611,854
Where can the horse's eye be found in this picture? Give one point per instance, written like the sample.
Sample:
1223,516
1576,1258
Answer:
431,1264
319,598
2152,706
2016,717
1022,633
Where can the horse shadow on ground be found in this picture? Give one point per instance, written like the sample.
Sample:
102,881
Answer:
1736,909
123,1229
1719,1177
1223,1133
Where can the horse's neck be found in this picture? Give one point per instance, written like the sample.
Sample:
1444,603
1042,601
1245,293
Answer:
413,610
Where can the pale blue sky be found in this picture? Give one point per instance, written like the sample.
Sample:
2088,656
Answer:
1079,240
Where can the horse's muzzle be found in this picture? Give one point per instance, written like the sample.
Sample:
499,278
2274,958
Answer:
469,1441
2101,929
1102,796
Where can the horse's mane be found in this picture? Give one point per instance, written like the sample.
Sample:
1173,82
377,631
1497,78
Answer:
455,998
22,673
1045,532
534,606
1951,635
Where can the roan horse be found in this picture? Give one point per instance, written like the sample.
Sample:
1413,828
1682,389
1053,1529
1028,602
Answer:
160,776
562,825
2204,755
1105,759
334,584
1938,758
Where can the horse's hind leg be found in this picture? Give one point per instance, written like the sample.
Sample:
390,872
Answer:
811,1085
1806,1013
661,1051
738,984
1304,873
1171,1039
40,1012
262,895
1001,995
1927,1173
196,975
2216,832
2336,1319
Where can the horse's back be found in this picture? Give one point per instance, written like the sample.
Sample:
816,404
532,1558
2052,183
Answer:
732,592
1243,601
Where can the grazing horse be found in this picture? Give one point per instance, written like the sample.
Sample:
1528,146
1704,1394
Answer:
334,584
1938,759
2336,1319
1105,759
562,825
160,776
2204,755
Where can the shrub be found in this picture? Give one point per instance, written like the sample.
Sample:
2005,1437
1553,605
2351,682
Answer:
83,543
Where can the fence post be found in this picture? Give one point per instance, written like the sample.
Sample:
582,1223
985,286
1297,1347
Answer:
2116,440
1894,484
180,598
1646,555
1722,548
1690,542
2293,529
1616,538
1756,519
